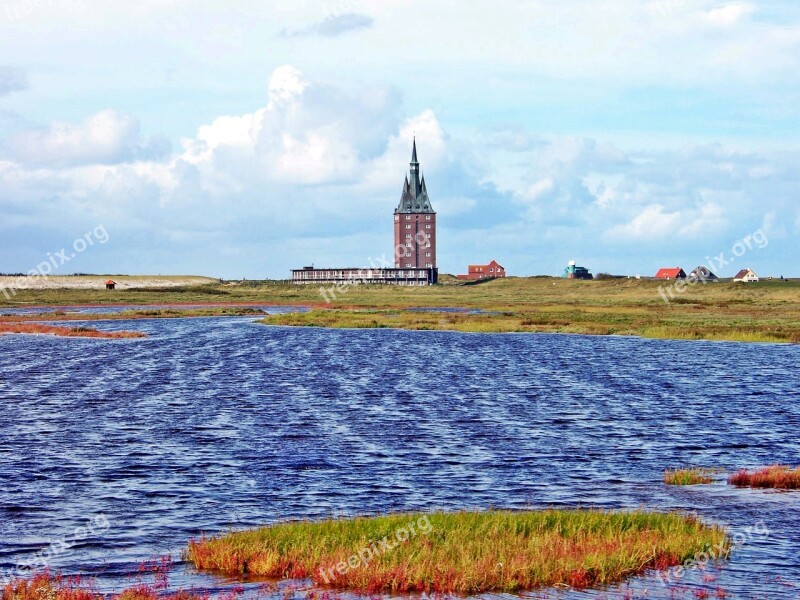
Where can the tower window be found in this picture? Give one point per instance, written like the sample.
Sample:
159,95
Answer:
408,217
408,235
428,226
408,225
427,217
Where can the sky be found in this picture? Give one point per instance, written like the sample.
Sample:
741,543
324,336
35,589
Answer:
244,139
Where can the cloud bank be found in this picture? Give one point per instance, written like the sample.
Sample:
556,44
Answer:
314,174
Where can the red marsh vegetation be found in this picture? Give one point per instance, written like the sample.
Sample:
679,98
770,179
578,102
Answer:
776,476
82,332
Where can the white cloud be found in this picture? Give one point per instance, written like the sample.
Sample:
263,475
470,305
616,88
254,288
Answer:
333,25
316,165
653,223
538,190
730,14
105,138
657,224
286,83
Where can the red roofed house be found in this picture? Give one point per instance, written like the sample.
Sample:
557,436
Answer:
671,273
745,275
111,284
475,272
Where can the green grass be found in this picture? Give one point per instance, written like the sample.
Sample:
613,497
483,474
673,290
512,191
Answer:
765,312
691,476
463,552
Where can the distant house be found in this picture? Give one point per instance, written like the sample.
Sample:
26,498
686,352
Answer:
475,272
703,273
746,275
111,284
572,271
671,273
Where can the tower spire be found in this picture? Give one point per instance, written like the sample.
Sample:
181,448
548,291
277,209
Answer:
414,152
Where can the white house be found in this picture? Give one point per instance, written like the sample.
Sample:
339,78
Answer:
746,275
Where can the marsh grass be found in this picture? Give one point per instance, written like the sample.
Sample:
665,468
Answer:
83,332
463,552
586,321
775,476
690,476
45,586
765,312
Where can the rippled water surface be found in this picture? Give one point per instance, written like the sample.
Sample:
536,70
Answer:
210,424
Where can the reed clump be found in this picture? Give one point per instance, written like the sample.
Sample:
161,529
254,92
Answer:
775,476
690,476
462,552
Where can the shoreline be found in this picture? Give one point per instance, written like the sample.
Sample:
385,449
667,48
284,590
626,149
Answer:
452,319
767,312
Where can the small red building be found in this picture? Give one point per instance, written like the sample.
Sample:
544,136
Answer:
111,284
475,272
671,273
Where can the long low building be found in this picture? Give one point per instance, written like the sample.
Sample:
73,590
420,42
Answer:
350,276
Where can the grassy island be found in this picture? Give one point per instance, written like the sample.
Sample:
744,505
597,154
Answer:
463,552
776,476
690,476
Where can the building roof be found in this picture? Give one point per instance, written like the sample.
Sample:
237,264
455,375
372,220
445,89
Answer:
111,282
670,273
414,198
702,272
744,273
489,264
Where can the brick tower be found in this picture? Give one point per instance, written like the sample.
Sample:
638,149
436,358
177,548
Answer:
414,222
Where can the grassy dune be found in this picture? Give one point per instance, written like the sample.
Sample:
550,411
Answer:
464,552
764,312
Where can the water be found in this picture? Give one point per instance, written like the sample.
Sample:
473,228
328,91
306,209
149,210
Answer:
211,424
111,309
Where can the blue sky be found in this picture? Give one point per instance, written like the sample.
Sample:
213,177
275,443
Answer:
244,139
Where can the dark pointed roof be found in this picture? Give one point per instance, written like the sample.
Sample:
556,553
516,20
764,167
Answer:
415,193
702,272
